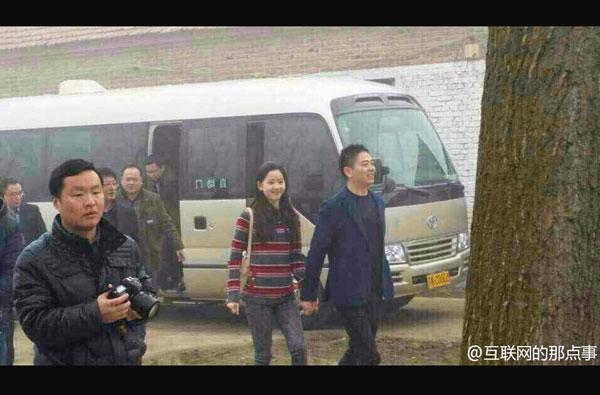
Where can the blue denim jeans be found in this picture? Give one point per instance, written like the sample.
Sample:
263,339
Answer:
261,319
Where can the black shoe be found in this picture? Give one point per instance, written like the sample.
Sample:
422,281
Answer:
178,288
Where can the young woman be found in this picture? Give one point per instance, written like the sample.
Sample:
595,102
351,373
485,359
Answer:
276,258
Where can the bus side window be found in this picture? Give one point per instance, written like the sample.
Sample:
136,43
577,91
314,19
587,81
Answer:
214,159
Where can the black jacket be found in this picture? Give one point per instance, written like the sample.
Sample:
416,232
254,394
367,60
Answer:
56,282
125,220
31,222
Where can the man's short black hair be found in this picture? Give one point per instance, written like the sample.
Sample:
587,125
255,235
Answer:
150,159
5,182
106,172
69,168
349,154
132,166
3,208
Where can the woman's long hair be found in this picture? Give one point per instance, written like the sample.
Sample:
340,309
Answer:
265,215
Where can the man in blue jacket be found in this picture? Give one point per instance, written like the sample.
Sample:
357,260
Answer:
28,216
11,244
351,231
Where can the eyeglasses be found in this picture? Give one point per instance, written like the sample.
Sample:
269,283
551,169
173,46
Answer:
16,194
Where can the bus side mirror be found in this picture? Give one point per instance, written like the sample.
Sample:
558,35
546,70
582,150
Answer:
380,171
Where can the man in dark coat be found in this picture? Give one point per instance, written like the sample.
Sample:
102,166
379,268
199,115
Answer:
351,230
28,215
11,244
121,217
62,280
163,181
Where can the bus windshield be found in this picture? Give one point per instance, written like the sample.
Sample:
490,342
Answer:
404,140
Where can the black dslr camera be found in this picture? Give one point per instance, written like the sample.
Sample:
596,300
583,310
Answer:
142,303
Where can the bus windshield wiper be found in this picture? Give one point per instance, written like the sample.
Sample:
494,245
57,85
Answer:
398,187
441,182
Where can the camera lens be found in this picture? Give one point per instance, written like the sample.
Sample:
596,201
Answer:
153,310
145,305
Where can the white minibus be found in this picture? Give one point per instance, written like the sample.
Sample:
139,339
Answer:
216,135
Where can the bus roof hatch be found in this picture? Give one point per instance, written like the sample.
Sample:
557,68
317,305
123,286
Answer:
74,87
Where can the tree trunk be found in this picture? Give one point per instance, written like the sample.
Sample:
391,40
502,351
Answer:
535,271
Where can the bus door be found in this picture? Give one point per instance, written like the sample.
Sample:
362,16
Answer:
165,144
213,194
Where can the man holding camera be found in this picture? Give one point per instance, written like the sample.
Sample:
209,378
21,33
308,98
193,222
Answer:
62,281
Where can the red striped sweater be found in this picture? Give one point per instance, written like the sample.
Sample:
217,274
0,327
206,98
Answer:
273,264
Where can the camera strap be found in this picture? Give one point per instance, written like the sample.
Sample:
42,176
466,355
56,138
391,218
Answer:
123,328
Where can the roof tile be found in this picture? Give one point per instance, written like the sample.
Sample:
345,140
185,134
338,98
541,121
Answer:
12,37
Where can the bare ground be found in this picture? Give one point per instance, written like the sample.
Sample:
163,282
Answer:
322,350
325,347
425,332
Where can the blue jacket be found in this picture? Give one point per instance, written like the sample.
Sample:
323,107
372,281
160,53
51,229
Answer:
339,236
11,245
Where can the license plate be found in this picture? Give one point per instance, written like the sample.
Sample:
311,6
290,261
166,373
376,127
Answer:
438,279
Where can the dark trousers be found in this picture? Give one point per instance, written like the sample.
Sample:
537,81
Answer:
261,318
10,346
361,324
171,270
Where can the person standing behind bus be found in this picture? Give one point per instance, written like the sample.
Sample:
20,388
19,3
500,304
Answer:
152,216
276,258
162,181
28,215
351,230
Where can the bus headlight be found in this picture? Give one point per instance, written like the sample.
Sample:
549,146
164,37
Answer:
395,253
464,241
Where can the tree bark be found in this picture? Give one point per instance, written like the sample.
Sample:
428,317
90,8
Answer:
535,271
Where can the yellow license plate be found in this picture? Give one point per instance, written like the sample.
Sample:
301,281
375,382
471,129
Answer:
438,279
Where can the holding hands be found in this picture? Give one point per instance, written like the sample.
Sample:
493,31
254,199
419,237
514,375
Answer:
234,308
310,307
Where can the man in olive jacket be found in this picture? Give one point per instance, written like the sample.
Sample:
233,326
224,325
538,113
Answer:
153,218
63,279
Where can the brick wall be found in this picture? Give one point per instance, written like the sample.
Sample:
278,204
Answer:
451,94
213,54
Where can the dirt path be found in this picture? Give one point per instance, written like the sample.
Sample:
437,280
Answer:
425,332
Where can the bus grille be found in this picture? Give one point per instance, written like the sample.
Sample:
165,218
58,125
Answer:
428,250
